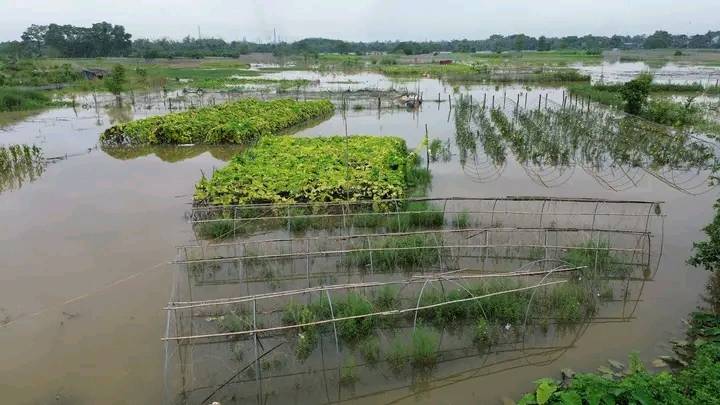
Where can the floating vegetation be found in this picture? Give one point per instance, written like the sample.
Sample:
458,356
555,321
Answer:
238,122
20,164
287,170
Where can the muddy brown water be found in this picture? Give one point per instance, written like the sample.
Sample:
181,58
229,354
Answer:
83,275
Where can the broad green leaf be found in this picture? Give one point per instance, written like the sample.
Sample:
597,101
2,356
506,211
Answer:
570,398
544,391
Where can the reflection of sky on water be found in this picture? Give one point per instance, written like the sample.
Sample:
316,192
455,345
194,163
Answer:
618,72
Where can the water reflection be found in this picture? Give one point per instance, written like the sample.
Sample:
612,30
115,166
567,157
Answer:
618,72
19,164
173,153
550,143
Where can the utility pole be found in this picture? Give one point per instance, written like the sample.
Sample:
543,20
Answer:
199,35
274,36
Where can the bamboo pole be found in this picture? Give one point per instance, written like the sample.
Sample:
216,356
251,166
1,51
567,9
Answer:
347,318
430,199
450,275
412,248
268,218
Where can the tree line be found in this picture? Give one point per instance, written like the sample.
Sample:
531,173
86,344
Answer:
105,39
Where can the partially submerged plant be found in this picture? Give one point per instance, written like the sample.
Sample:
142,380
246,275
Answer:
347,373
370,349
397,355
424,351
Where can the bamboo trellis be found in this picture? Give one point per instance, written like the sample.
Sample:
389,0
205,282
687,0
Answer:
524,239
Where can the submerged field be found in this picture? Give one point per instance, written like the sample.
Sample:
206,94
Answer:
435,253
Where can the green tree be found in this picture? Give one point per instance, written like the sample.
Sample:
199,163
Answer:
635,93
115,83
543,44
660,39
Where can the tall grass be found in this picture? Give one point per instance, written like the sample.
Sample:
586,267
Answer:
424,348
596,255
370,349
353,330
405,253
14,99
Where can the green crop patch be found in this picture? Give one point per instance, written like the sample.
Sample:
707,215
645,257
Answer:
238,122
290,170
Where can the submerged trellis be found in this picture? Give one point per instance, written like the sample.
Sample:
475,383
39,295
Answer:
280,292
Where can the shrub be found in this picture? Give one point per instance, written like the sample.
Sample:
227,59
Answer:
635,93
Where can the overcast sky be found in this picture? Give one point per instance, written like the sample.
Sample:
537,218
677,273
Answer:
366,20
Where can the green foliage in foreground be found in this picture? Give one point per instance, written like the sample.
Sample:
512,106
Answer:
12,99
289,169
707,252
238,122
698,383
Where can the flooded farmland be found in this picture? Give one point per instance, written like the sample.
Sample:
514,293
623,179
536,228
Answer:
82,306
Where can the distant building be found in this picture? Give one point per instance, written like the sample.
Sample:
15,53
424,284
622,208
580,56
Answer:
94,74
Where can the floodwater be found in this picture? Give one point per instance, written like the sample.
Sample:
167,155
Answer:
84,248
673,73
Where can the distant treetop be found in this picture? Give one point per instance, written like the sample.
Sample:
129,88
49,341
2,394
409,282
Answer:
104,39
